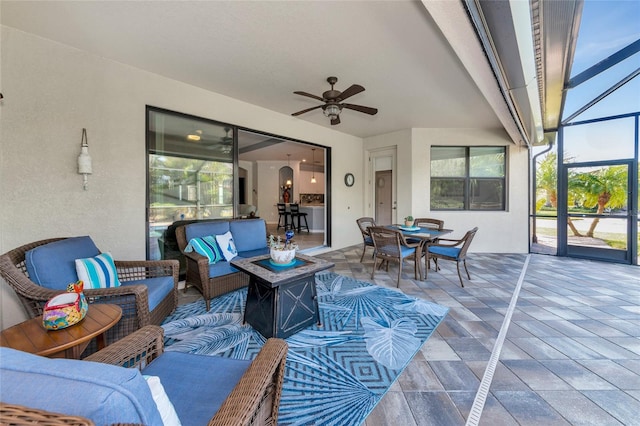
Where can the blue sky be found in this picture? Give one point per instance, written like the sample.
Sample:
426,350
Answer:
606,27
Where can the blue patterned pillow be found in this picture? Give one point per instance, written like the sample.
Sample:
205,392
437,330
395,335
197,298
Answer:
206,246
226,244
98,272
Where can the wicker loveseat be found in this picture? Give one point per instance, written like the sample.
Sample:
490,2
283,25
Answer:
250,239
149,290
199,389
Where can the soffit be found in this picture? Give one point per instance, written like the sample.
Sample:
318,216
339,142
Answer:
260,52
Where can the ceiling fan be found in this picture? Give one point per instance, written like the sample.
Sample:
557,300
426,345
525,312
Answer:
333,101
226,142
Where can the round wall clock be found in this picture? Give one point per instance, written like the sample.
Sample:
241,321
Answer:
349,180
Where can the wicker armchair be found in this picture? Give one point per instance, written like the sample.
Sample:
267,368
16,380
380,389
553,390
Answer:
391,245
133,299
364,223
255,399
454,250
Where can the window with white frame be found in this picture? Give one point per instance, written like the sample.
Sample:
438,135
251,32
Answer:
468,177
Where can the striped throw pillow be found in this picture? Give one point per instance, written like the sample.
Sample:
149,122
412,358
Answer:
98,272
206,246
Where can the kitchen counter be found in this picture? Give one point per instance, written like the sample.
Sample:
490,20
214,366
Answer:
315,216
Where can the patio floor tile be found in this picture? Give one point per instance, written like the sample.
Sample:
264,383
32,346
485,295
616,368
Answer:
578,409
529,408
571,353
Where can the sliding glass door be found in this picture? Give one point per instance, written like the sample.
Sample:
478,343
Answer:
190,176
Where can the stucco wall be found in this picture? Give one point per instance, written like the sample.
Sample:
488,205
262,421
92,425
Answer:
52,91
499,232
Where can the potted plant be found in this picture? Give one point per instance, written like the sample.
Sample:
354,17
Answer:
408,221
282,252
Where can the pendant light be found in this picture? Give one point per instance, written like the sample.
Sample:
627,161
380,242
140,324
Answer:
288,183
313,165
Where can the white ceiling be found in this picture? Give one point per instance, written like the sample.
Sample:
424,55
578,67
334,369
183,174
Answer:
261,51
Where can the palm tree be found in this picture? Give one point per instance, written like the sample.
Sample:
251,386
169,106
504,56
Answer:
547,182
602,188
547,179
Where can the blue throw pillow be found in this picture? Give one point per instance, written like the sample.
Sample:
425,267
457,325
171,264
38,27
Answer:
98,272
53,265
206,246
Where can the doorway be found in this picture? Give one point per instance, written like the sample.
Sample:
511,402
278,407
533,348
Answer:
382,203
598,212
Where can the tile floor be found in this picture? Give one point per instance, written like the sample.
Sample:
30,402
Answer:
570,354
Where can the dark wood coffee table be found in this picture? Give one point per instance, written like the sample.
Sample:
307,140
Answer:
281,300
31,336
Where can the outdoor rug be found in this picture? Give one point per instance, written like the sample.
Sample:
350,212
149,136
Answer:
336,373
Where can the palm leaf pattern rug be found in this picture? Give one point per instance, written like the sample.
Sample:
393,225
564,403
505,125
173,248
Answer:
337,372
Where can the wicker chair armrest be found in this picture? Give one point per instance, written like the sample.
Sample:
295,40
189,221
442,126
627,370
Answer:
135,350
122,296
196,257
440,240
202,264
404,242
12,414
129,270
256,397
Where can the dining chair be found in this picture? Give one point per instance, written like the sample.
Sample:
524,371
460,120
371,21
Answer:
430,223
427,222
449,249
364,223
391,245
283,217
297,214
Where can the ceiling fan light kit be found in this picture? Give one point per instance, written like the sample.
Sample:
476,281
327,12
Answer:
333,98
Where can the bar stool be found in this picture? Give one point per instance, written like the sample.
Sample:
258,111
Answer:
295,212
283,217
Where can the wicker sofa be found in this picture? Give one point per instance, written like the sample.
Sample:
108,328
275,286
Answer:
201,389
149,290
250,238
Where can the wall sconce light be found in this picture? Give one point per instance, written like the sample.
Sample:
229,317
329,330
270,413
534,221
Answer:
313,165
84,160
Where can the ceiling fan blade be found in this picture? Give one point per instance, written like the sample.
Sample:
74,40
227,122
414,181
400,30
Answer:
360,108
306,110
309,95
353,90
335,121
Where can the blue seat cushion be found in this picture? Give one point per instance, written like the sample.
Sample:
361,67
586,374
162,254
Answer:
220,269
53,265
446,251
204,229
368,241
197,385
393,250
252,253
103,393
249,234
159,288
224,268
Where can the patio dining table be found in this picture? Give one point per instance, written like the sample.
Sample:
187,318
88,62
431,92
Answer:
425,235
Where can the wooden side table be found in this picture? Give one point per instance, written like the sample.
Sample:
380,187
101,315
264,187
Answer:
31,336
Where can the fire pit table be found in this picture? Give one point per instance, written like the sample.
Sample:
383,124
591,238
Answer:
281,300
